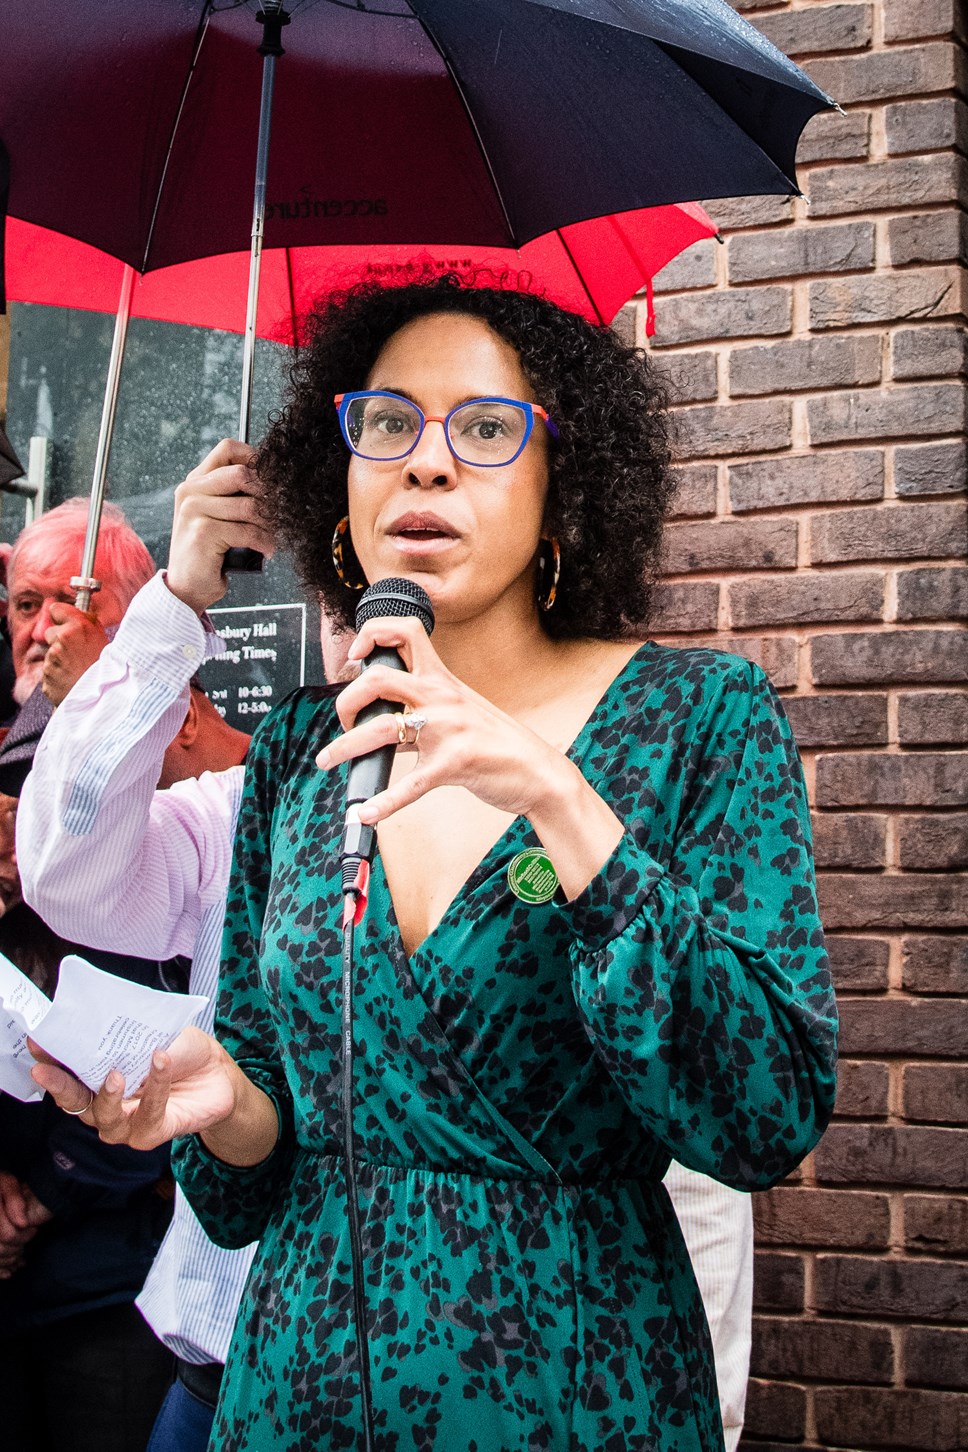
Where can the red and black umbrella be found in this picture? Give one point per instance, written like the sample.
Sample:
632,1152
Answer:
137,125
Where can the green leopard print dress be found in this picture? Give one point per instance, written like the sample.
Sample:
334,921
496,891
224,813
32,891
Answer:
522,1083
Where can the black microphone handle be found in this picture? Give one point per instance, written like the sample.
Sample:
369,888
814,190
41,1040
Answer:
369,774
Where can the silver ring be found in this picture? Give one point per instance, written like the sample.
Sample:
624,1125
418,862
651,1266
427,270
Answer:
78,1112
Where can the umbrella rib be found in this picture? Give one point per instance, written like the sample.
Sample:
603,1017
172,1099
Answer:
199,38
473,125
291,283
578,273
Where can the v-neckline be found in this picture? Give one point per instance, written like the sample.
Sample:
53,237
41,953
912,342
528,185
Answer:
485,866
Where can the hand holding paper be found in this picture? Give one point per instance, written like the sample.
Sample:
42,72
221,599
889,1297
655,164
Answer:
96,1023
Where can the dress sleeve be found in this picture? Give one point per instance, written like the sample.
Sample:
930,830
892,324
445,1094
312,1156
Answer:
234,1204
703,983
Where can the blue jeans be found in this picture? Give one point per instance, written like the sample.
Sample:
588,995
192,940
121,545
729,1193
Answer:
184,1423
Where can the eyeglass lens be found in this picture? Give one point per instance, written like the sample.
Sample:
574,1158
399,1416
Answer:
480,432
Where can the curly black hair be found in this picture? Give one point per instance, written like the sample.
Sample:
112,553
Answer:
610,481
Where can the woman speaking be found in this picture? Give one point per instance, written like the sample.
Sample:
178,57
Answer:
592,938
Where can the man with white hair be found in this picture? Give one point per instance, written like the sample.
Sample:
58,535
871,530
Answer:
39,570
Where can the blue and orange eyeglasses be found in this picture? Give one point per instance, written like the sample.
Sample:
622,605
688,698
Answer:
485,432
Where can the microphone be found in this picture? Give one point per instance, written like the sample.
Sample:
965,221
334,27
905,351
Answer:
370,774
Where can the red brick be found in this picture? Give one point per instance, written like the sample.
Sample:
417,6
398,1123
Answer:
775,1409
850,839
933,594
695,490
775,654
835,136
848,720
935,1356
819,29
935,965
907,1420
934,843
801,1217
919,19
914,1290
907,657
930,468
745,313
879,903
804,365
778,1282
879,1154
859,965
844,302
929,718
730,544
732,213
936,1093
798,251
908,779
931,237
848,474
625,323
689,377
939,352
917,409
911,1027
798,1350
685,607
936,1224
881,75
891,532
862,1090
920,126
860,188
855,596
696,267
714,431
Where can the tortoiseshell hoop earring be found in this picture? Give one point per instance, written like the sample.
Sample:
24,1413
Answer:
549,571
341,536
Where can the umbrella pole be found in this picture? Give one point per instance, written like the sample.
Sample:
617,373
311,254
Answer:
273,18
85,584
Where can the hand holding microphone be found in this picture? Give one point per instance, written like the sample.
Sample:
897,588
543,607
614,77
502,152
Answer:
369,774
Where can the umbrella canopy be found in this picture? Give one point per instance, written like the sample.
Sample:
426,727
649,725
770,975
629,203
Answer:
131,124
592,268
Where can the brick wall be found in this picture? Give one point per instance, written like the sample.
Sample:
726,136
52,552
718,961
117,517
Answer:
819,363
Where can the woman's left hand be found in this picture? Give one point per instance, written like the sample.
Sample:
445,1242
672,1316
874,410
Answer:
466,740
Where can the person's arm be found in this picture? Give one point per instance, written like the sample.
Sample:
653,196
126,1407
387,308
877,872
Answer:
704,986
103,857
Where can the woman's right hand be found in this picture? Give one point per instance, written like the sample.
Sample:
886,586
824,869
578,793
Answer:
190,1088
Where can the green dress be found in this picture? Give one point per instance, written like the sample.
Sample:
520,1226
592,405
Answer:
522,1083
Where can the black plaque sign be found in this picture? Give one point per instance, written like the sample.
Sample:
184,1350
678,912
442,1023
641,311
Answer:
265,659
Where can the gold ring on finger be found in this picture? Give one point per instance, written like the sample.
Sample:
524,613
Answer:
78,1112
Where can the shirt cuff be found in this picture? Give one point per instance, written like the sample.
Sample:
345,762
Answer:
615,896
163,638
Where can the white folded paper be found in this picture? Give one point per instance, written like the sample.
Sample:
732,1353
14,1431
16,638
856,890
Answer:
96,1022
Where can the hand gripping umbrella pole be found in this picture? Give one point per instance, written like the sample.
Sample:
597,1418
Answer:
272,18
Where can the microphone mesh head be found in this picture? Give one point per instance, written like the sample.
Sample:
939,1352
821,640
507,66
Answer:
395,596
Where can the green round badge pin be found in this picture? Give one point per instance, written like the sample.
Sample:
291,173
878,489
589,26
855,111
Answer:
532,877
